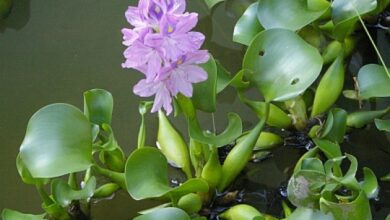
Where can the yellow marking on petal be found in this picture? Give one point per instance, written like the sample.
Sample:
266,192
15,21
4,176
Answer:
180,61
170,29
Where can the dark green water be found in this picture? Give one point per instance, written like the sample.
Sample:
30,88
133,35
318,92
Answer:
53,51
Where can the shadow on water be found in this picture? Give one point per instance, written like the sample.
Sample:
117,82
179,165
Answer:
18,17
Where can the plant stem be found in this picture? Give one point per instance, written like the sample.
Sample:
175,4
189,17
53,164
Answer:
118,178
42,193
372,42
72,181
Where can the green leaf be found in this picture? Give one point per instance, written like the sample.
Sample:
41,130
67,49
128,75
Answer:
333,78
386,177
207,88
63,194
241,212
373,81
277,117
169,213
335,126
212,3
382,125
281,64
58,141
348,179
346,9
345,15
307,213
8,214
358,209
248,26
223,77
172,145
290,14
98,106
370,183
361,118
191,203
240,154
231,132
26,175
147,177
331,150
304,187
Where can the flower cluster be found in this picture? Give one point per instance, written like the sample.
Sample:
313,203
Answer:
162,46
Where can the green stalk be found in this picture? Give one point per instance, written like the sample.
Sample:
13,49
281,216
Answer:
72,181
372,42
44,196
116,177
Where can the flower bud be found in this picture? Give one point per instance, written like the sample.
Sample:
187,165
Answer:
240,212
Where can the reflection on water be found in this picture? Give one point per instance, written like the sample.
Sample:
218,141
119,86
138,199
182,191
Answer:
53,51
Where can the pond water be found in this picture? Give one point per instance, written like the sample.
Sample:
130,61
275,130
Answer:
53,51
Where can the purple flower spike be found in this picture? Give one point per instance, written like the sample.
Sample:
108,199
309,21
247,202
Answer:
162,46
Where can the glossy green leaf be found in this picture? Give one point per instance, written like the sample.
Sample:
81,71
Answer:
58,141
223,77
313,164
240,154
267,140
330,149
382,125
346,9
207,88
248,26
241,212
358,209
325,97
307,213
143,108
345,15
191,203
373,81
63,194
114,160
290,14
212,3
370,183
281,64
277,117
25,175
172,145
361,118
8,214
212,170
335,126
311,153
98,106
231,132
106,190
147,177
348,179
169,213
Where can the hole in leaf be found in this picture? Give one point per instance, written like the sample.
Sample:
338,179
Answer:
294,81
261,53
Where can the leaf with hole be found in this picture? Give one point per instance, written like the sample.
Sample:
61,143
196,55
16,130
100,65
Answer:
58,141
281,64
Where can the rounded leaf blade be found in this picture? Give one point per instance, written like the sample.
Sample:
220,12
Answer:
282,64
58,141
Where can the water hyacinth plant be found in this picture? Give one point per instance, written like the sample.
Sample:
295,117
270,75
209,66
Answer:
294,72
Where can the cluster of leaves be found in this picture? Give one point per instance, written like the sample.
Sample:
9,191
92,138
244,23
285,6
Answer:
298,67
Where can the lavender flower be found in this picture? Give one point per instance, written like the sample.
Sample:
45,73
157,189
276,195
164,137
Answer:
162,46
